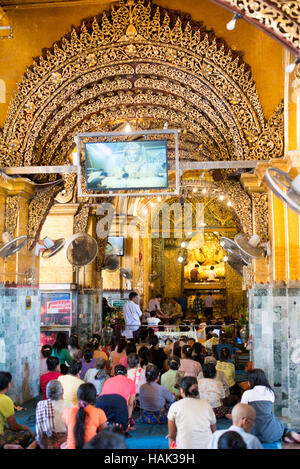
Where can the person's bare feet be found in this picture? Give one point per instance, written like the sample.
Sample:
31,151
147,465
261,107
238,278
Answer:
32,445
292,437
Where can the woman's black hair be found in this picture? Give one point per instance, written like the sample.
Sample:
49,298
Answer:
187,351
75,367
143,355
5,379
257,377
177,349
121,344
224,354
197,348
231,440
174,363
95,341
88,394
143,334
152,372
186,383
88,352
46,350
130,348
209,370
52,363
132,360
109,438
153,340
73,341
151,331
60,342
120,370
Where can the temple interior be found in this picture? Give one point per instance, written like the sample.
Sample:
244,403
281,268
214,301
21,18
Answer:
226,104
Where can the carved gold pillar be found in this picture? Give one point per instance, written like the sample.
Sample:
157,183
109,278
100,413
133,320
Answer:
17,264
254,187
146,258
3,194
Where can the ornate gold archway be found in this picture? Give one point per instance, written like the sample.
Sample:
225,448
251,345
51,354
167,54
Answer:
149,65
146,64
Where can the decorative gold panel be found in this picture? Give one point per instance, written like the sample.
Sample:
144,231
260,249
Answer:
11,214
281,18
138,61
81,219
38,210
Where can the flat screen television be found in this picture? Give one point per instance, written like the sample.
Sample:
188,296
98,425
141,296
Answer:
115,245
126,165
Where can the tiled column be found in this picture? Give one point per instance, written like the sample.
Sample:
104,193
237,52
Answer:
20,340
275,326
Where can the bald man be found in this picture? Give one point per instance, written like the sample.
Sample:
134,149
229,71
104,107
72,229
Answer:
243,417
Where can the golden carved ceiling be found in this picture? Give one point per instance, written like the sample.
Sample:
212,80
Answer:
145,64
279,18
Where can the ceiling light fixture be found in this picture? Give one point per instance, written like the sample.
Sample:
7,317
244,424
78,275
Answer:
231,25
221,197
291,67
127,128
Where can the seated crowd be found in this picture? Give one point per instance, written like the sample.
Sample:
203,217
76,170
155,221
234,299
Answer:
90,396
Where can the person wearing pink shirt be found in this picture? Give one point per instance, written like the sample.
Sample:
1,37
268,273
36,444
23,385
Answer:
189,366
121,385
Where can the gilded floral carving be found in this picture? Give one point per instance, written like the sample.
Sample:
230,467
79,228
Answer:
136,45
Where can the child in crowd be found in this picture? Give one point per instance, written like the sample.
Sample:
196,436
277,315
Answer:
153,320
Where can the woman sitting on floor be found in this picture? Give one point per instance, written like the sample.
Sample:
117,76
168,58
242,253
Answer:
73,347
84,421
212,391
87,361
61,351
267,428
12,434
154,398
135,372
191,421
71,382
130,348
117,354
172,378
98,375
51,431
228,369
144,355
187,364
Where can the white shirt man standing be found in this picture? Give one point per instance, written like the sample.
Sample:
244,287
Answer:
132,315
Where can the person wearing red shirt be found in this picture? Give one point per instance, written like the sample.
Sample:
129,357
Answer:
53,373
121,385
